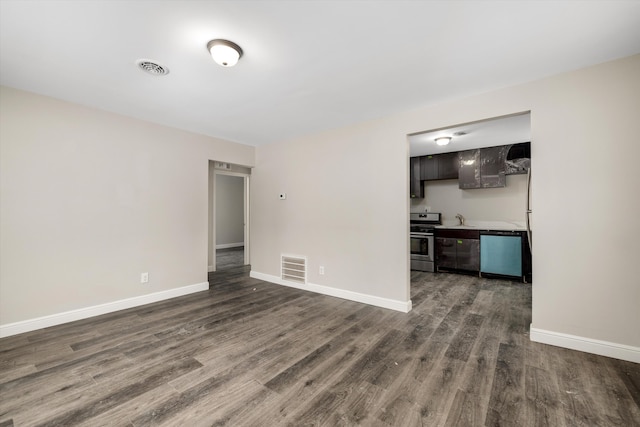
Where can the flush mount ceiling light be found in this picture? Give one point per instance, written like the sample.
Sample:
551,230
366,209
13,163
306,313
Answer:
443,140
224,52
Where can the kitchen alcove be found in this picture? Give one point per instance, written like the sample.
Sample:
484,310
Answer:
505,141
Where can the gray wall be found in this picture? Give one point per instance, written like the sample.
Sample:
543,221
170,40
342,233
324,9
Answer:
347,207
486,204
229,210
90,199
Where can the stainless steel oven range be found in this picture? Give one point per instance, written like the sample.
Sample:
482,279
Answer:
422,226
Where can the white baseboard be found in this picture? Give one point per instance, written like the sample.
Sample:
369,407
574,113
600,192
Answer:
229,245
588,345
403,306
96,310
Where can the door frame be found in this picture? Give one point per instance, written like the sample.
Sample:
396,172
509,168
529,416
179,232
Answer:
246,215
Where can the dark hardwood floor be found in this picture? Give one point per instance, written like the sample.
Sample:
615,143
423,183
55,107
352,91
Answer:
250,353
229,258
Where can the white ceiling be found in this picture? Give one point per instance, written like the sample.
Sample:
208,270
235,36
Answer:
308,65
485,133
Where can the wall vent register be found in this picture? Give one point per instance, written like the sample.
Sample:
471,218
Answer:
152,67
294,269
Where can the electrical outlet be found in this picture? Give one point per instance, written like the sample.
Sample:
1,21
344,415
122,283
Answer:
322,270
144,278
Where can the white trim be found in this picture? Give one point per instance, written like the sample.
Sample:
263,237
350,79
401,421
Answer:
96,310
229,245
247,216
403,306
247,219
230,173
211,268
588,345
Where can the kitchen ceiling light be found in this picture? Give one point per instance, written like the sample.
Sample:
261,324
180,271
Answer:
224,52
443,140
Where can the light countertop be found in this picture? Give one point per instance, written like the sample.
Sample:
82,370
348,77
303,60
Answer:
486,225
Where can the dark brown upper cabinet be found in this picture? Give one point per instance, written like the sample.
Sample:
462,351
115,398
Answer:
448,165
469,169
483,167
518,159
478,168
439,166
415,183
428,168
492,167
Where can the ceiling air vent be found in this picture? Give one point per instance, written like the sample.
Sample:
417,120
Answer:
294,269
152,68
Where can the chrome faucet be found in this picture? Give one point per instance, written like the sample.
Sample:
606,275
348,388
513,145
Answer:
460,218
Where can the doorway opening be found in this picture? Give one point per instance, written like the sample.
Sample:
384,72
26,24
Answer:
471,177
228,216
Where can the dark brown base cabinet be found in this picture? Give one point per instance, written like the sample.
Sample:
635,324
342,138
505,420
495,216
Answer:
458,250
446,253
